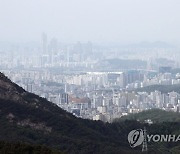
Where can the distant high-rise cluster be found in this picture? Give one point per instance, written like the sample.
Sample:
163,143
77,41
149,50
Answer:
94,81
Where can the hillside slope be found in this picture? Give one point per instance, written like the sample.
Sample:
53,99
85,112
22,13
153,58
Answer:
26,117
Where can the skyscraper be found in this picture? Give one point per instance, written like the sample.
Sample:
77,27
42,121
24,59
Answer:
53,47
44,43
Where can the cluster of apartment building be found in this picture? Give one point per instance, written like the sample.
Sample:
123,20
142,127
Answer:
100,95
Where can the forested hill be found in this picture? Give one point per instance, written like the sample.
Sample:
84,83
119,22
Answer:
161,88
156,115
28,118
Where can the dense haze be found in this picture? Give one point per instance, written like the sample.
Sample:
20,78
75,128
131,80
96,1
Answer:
120,21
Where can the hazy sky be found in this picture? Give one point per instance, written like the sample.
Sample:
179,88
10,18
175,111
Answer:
94,20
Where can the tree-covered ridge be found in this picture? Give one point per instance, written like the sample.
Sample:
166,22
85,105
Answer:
156,115
161,88
26,117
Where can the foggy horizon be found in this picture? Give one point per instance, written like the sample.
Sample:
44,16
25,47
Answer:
116,21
